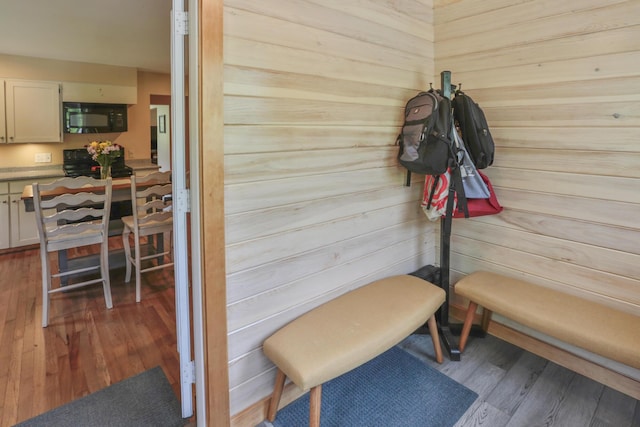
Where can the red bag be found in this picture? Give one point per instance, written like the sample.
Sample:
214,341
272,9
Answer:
480,207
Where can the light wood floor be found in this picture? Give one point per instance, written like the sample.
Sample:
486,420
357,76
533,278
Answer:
85,347
519,389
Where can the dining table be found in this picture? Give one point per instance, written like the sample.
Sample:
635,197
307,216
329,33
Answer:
120,193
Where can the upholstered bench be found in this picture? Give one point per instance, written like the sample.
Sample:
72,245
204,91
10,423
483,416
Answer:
348,331
594,327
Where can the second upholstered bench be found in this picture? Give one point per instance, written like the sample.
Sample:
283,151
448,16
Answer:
597,328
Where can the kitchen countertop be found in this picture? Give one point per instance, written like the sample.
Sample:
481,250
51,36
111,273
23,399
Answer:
141,165
55,171
13,174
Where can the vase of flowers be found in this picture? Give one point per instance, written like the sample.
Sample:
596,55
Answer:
104,152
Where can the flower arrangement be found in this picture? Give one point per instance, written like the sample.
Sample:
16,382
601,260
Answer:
104,152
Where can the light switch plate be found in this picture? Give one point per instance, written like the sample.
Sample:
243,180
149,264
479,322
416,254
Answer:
43,158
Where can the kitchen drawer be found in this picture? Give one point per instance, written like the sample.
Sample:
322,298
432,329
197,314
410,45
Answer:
4,188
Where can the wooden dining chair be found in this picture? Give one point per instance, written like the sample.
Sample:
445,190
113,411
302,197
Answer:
152,216
72,213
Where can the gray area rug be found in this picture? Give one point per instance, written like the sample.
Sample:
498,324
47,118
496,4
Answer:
394,389
146,399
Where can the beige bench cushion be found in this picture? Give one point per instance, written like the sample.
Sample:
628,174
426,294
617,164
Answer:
594,327
346,332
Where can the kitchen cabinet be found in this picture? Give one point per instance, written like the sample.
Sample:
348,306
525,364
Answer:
100,93
31,111
5,227
23,228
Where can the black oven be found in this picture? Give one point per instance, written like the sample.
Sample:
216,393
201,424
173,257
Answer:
78,162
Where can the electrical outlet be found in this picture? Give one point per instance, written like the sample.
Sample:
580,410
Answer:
43,158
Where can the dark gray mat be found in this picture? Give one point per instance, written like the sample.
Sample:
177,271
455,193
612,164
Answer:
146,399
393,390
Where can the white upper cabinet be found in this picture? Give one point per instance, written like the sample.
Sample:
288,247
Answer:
32,112
100,93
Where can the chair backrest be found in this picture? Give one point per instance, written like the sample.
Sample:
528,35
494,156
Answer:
152,198
70,208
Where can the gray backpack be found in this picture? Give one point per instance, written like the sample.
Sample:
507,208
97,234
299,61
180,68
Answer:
425,140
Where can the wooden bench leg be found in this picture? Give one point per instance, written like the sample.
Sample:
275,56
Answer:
468,321
486,318
315,403
433,330
275,397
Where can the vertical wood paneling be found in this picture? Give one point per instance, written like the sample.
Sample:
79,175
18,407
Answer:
314,200
558,83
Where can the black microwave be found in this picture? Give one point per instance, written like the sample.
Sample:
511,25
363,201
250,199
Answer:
81,117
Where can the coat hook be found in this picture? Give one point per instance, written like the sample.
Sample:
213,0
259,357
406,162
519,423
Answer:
430,85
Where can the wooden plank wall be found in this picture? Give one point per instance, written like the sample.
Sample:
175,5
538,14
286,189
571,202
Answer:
314,199
560,85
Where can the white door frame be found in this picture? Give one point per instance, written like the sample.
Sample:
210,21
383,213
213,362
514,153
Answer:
186,201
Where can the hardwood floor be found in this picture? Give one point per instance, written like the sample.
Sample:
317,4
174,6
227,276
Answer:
85,347
519,389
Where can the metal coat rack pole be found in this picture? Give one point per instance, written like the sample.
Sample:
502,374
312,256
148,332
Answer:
444,327
450,343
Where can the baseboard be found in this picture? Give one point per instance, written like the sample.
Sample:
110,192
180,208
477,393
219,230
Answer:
257,412
589,369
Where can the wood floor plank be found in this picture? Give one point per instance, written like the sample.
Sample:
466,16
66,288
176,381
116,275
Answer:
580,404
544,398
95,367
77,375
12,392
483,380
483,414
636,416
25,391
39,371
516,384
615,409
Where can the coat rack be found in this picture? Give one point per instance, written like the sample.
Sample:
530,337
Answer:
444,329
442,315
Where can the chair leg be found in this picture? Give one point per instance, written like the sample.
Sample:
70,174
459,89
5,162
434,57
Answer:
433,330
138,265
46,286
315,404
468,321
275,397
104,267
127,253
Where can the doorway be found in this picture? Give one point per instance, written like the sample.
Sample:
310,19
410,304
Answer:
160,143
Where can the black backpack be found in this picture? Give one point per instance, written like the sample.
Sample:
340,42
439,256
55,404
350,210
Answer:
426,143
425,140
474,129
